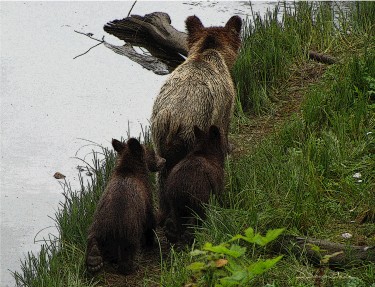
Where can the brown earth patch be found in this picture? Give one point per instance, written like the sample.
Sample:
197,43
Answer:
148,266
288,102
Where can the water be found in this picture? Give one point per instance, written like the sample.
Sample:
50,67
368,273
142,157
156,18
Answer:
50,102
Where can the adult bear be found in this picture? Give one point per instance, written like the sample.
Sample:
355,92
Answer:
200,92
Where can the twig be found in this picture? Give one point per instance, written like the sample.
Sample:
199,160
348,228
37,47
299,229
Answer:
87,50
131,8
90,36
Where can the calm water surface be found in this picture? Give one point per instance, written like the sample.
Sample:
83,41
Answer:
50,102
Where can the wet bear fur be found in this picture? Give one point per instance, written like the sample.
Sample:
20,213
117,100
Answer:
124,219
191,183
198,92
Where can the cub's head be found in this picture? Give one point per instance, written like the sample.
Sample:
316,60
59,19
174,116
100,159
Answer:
210,143
132,155
225,39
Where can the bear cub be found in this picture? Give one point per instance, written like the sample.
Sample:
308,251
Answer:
191,183
124,219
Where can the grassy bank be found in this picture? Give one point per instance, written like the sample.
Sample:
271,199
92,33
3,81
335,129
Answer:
314,175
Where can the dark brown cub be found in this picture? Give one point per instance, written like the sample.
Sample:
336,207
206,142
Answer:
191,183
124,219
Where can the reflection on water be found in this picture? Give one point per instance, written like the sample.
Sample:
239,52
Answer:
49,102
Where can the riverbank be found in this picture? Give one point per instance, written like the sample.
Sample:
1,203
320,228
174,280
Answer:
303,160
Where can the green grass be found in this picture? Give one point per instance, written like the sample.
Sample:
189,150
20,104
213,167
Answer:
275,41
299,178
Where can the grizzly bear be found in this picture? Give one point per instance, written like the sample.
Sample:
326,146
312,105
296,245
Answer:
191,183
198,92
124,219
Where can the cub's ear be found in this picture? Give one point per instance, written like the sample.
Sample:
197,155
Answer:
199,134
154,162
193,24
234,24
134,146
214,133
117,145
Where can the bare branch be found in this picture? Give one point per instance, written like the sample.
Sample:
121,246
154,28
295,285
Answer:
88,50
131,8
90,35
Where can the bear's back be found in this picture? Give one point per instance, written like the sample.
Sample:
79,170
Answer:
197,176
199,92
122,209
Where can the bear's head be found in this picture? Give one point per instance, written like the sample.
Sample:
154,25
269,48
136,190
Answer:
225,39
210,143
133,155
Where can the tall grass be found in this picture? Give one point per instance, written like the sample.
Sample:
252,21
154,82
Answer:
275,41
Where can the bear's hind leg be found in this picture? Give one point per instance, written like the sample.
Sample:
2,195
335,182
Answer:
94,258
127,254
148,240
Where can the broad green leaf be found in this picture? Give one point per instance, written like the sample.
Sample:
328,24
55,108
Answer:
233,266
197,252
260,267
235,251
238,249
196,266
238,236
271,235
258,238
274,233
249,233
235,279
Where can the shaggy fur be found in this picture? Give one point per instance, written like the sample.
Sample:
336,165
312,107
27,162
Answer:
192,181
198,92
124,218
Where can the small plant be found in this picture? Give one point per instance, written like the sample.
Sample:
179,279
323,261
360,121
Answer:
226,264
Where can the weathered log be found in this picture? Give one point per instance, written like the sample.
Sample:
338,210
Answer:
153,32
344,255
322,58
147,62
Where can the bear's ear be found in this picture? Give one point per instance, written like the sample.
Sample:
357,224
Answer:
234,24
154,162
214,133
135,147
199,134
117,145
193,24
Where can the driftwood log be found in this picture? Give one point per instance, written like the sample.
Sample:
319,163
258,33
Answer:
325,253
322,58
153,32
